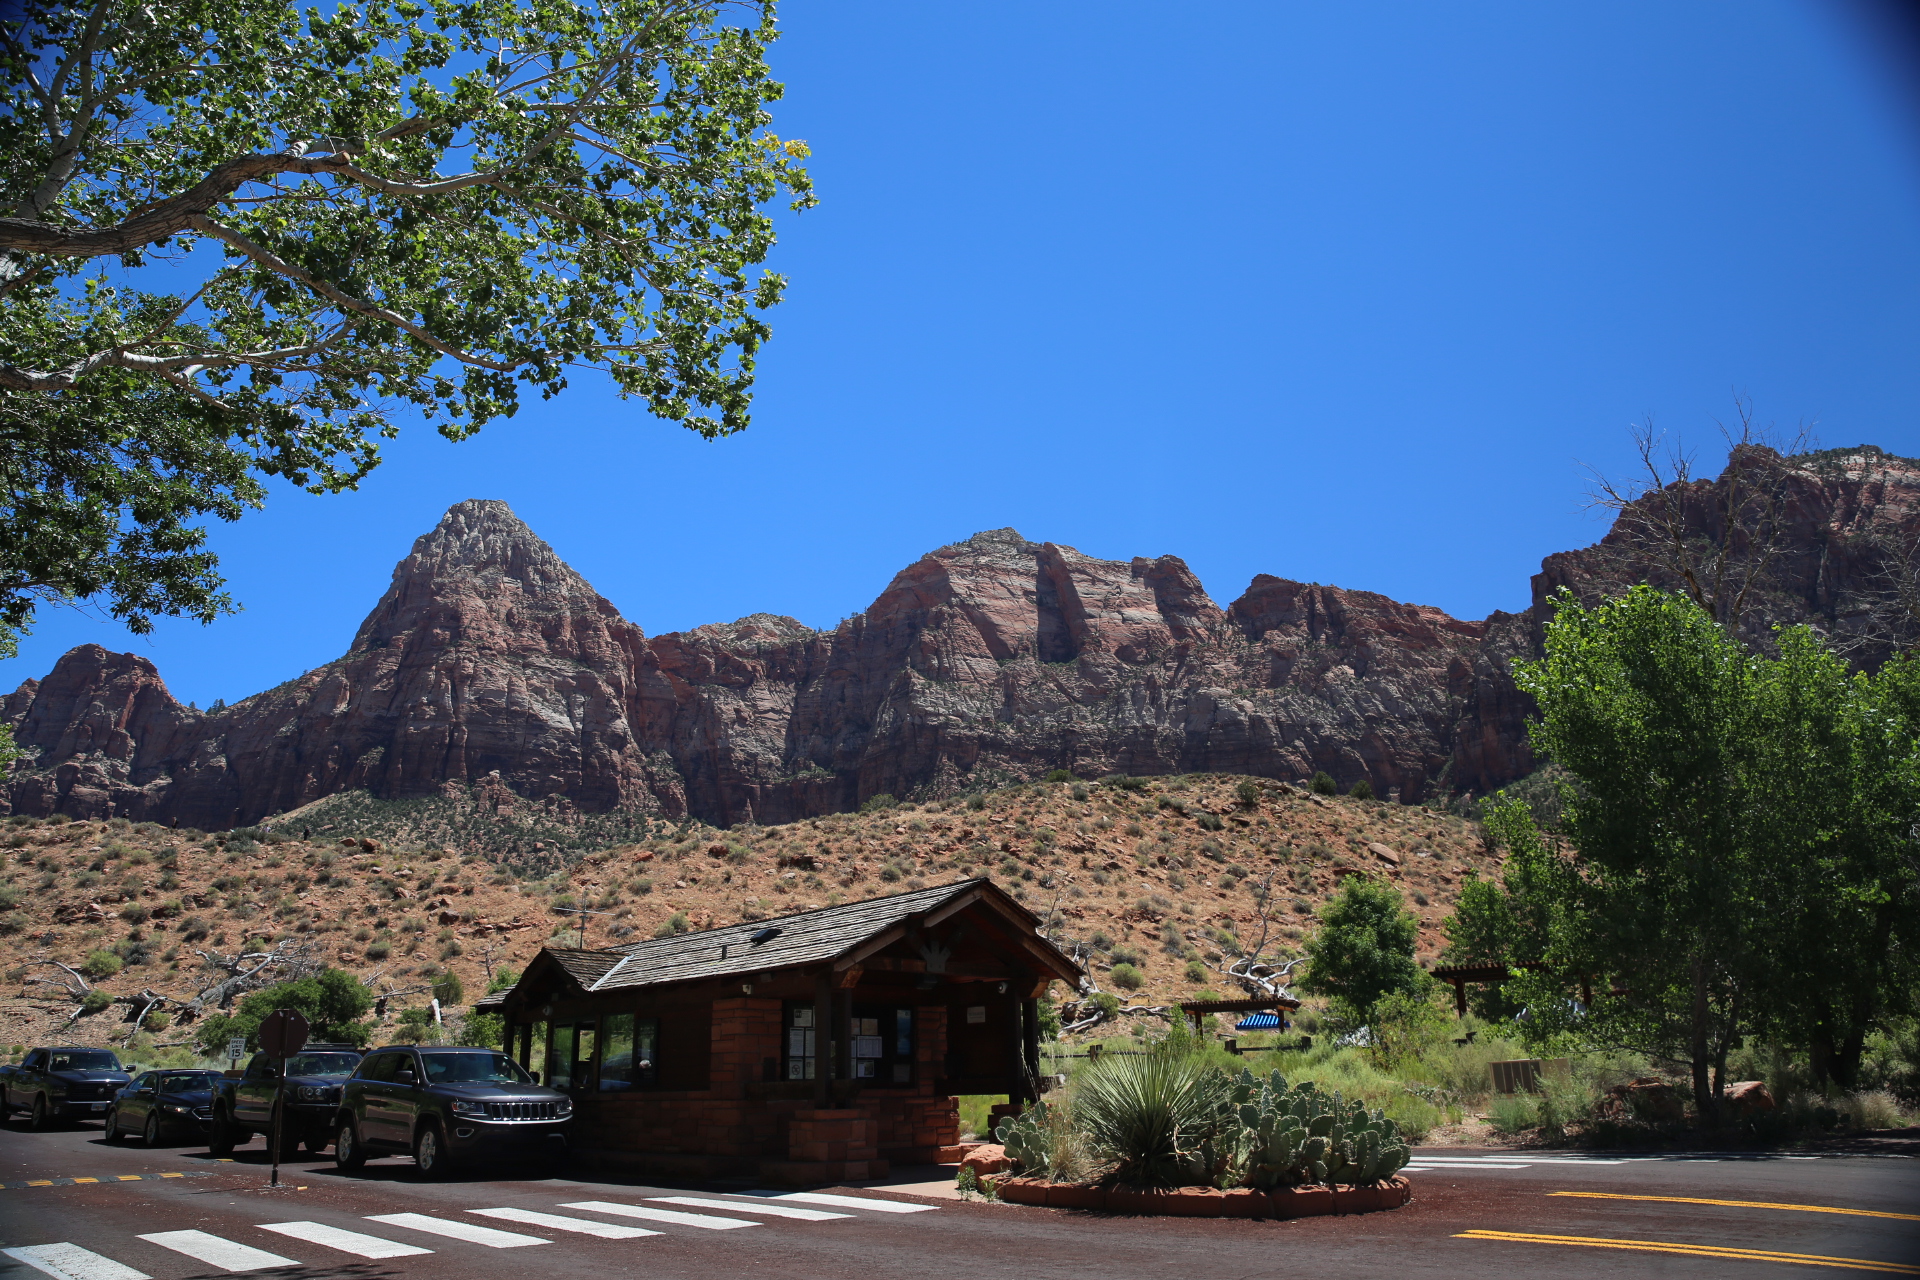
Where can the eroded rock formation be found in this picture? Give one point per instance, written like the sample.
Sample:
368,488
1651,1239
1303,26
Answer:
489,664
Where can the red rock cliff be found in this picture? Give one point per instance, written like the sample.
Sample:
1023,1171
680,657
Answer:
489,661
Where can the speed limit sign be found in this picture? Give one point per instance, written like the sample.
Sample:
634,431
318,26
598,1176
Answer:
236,1047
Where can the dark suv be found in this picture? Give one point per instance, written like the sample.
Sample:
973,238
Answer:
446,1107
315,1077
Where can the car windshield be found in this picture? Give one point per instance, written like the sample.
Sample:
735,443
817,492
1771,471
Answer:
322,1064
474,1068
83,1060
197,1082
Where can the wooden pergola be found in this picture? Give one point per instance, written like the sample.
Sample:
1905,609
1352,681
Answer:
1196,1009
1461,974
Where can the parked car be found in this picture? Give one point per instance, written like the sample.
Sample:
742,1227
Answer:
62,1083
162,1104
447,1107
244,1107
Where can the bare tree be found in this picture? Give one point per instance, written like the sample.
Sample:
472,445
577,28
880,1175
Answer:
1717,541
74,984
227,976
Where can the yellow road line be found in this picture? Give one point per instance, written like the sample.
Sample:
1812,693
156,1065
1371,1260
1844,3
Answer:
41,1182
173,1175
1741,1204
78,1181
130,1177
1696,1251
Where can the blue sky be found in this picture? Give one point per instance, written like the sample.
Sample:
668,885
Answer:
1342,293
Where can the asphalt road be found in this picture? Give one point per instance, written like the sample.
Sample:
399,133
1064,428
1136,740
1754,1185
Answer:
174,1213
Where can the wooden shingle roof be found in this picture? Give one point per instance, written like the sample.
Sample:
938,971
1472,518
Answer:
785,942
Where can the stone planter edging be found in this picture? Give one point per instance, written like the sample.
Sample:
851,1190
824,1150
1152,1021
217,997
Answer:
1206,1202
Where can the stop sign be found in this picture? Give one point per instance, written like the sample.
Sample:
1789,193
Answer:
283,1033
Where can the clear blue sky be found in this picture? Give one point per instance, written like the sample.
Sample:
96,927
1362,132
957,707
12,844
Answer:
1346,293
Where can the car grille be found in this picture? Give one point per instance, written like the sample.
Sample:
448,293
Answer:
522,1111
82,1092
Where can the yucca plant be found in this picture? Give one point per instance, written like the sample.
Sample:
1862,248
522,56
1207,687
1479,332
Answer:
1157,1117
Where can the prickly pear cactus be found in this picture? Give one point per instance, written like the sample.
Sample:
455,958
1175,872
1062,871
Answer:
1025,1139
1293,1135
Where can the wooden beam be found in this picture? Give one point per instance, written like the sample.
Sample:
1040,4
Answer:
871,945
959,904
849,978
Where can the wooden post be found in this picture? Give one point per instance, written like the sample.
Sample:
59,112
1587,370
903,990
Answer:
822,1016
843,1044
1460,997
1030,1046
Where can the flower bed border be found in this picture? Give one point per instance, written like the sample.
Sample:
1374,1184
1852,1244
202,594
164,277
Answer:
1206,1202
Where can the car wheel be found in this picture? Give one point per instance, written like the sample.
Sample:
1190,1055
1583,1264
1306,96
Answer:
316,1142
113,1125
346,1147
223,1139
430,1154
150,1136
38,1118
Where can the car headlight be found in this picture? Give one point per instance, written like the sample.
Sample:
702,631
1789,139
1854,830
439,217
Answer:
177,1109
565,1108
462,1107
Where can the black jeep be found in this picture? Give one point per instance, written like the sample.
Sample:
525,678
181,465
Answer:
244,1107
447,1107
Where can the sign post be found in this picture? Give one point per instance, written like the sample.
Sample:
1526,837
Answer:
283,1033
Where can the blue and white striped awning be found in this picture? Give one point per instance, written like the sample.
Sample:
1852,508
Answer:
1258,1022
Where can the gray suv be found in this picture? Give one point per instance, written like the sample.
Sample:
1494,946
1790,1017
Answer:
446,1107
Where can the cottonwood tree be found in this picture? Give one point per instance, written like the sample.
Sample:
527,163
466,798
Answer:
240,240
1741,854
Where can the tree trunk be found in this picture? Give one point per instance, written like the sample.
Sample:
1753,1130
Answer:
1705,1098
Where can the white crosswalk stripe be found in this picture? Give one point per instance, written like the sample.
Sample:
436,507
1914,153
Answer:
771,1210
71,1262
844,1202
345,1241
560,1222
468,1231
216,1251
1417,1166
674,1216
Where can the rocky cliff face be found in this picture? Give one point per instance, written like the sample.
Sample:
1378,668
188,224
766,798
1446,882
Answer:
492,667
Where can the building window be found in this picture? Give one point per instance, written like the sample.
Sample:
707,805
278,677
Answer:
570,1055
802,1056
628,1053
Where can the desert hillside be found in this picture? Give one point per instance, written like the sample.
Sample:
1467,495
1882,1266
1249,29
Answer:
1165,874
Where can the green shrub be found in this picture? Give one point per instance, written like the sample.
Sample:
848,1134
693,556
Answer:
1107,1003
874,804
100,964
1361,790
1126,977
1324,785
95,1001
1512,1113
1196,972
1247,793
1415,1117
677,923
1210,821
1121,782
1059,775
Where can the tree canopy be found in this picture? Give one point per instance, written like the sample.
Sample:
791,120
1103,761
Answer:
238,238
332,1001
1363,950
1739,855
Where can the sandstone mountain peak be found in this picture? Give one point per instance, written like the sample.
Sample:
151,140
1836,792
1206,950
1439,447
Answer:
491,674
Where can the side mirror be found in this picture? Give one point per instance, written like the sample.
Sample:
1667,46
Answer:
535,1075
403,1076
